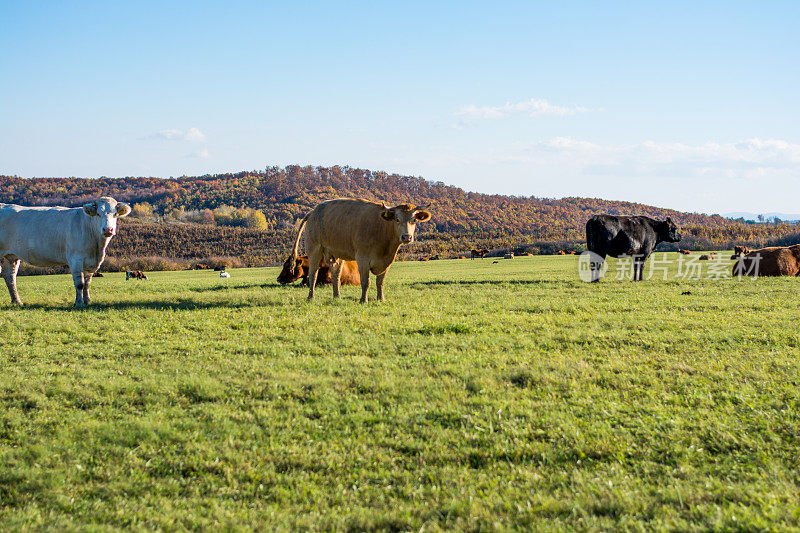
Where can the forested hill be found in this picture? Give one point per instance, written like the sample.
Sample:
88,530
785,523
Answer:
284,194
179,217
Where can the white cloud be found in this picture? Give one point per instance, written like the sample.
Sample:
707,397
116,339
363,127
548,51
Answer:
200,154
748,159
528,108
192,135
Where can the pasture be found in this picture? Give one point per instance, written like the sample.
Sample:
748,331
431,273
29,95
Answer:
479,396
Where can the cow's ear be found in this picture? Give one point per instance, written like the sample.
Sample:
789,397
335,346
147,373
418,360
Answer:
422,216
669,220
91,209
388,214
123,210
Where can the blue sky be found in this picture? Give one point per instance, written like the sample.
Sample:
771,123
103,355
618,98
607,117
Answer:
689,105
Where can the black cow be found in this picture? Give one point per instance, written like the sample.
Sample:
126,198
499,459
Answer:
631,236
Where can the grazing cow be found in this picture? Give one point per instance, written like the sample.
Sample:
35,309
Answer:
224,274
509,255
561,252
571,252
50,236
772,261
478,253
298,268
624,236
523,254
358,230
425,258
684,252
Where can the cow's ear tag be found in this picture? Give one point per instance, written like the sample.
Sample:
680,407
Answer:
388,214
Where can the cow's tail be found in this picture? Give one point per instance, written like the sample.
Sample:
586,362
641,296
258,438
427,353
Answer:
295,253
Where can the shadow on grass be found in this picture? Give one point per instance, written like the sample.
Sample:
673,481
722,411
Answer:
178,305
231,287
468,283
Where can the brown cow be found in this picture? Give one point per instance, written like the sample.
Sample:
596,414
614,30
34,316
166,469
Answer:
424,258
561,252
772,261
684,252
357,230
479,253
289,275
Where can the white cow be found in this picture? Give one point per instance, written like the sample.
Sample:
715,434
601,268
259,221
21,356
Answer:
50,236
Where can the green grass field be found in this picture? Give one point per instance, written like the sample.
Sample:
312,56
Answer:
480,396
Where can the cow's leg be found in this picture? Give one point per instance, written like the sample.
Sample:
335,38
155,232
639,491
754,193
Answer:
77,278
87,280
10,268
336,277
638,267
379,283
363,271
596,266
314,257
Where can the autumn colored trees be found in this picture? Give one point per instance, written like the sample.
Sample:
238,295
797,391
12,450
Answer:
253,213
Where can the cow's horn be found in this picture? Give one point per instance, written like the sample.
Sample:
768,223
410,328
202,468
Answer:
421,207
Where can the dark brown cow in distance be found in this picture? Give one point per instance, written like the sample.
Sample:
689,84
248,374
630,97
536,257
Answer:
349,275
772,261
357,230
479,253
739,251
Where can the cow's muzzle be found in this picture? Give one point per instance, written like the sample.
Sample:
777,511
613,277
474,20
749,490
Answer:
407,238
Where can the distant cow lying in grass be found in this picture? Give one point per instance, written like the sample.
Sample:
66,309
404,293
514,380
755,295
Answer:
298,269
684,252
772,261
707,257
135,274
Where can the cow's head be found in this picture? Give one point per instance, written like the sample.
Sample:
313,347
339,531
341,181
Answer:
294,268
405,217
104,212
669,231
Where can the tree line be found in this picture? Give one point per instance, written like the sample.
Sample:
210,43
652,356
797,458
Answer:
252,214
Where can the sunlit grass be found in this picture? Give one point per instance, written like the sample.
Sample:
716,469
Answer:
479,396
